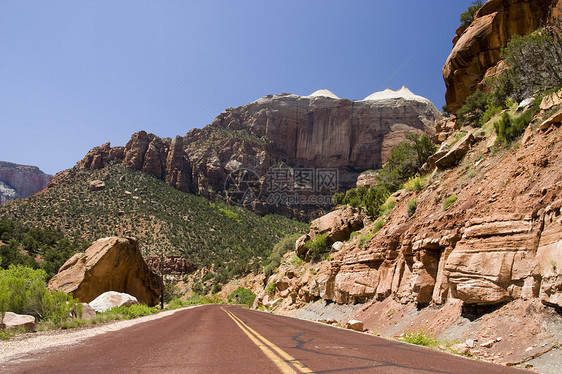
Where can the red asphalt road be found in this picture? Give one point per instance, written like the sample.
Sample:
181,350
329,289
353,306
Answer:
207,340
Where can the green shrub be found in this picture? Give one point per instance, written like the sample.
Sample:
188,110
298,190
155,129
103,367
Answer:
449,201
378,226
242,295
364,240
270,288
133,311
274,259
411,207
318,248
509,128
491,111
474,108
296,261
420,338
535,64
23,291
415,183
387,207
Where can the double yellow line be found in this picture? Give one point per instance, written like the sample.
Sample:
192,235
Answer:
285,362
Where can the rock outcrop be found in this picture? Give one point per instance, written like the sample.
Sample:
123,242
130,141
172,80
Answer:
500,241
109,264
240,153
161,158
477,49
18,181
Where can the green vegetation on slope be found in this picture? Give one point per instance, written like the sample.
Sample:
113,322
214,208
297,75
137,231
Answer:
230,239
401,168
35,247
534,69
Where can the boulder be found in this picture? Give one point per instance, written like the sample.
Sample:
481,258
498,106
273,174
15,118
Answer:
110,264
112,299
456,154
96,185
16,321
338,224
88,312
356,325
551,100
555,119
300,247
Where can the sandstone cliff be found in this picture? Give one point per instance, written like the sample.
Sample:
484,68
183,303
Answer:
476,51
17,181
319,131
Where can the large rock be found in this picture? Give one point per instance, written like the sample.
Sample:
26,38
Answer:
18,181
338,224
15,321
455,154
110,264
477,51
112,299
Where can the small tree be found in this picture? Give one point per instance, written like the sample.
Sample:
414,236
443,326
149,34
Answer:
468,16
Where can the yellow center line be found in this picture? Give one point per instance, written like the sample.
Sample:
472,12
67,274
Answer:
281,360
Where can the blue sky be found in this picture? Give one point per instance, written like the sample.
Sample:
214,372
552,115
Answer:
76,74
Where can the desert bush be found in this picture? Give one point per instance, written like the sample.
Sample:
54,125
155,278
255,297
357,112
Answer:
364,240
509,128
274,259
535,64
270,288
133,311
449,201
319,247
378,226
420,338
415,183
474,108
411,207
23,291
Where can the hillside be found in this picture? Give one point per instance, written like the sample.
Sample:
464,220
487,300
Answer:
133,203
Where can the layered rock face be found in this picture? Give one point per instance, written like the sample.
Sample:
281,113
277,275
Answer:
319,131
501,239
18,181
477,49
109,264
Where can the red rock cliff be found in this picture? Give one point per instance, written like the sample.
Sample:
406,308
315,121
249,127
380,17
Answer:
477,48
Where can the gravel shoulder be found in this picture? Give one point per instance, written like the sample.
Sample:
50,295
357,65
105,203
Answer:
20,346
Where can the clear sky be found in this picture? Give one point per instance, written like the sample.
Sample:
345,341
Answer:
76,74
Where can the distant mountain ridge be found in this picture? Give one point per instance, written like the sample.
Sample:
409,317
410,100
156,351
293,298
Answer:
18,181
284,131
